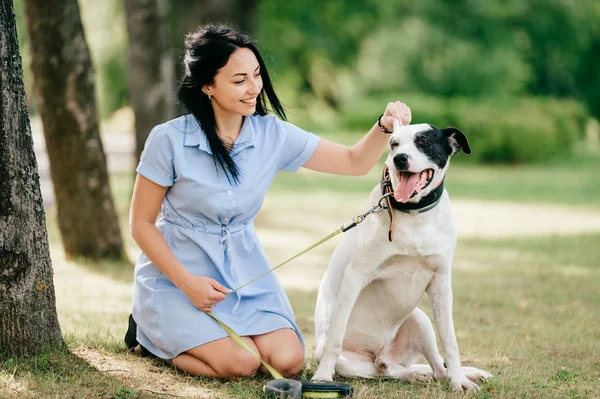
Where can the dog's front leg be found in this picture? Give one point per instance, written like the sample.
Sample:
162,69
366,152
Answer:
352,284
440,296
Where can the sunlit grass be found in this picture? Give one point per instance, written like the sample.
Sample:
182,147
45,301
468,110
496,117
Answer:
526,309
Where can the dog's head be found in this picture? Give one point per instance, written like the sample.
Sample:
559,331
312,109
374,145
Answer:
419,156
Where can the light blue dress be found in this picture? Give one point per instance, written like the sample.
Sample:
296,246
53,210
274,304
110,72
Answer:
209,225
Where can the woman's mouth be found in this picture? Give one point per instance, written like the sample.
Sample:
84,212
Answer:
250,101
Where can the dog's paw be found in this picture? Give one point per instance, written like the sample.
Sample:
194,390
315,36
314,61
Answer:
463,384
322,375
475,374
421,377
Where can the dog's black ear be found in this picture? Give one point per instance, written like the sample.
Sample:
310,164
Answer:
458,140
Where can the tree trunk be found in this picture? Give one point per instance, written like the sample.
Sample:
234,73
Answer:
28,320
187,15
64,82
151,86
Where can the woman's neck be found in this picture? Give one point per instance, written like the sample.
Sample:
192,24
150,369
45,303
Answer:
228,127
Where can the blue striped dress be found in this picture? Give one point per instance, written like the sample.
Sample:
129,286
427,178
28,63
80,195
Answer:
209,225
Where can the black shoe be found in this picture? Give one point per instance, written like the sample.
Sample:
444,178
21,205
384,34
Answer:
131,341
131,334
146,353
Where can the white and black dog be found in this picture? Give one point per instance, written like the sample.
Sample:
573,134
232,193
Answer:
367,321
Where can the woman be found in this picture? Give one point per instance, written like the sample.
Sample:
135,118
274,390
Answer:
208,172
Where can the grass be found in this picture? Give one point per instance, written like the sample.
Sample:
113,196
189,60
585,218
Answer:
525,307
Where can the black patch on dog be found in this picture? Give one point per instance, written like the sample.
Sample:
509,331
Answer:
457,139
435,143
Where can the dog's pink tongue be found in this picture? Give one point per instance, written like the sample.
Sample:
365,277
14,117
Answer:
406,187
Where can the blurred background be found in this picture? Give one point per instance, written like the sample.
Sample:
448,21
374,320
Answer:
520,77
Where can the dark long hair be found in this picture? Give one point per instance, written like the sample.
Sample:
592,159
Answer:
206,51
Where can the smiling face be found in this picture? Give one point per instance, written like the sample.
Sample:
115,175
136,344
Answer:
236,85
419,156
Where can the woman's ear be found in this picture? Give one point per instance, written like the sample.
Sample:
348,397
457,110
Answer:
206,89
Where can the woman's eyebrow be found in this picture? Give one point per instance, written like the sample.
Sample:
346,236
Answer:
244,73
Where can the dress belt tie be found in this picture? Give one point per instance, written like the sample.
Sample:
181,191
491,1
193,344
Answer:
226,239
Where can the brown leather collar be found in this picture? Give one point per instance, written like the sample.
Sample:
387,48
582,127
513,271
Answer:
386,188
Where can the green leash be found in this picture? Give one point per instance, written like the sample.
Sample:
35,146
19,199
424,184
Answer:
345,227
239,339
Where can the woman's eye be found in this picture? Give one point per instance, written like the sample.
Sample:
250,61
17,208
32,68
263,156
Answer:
237,83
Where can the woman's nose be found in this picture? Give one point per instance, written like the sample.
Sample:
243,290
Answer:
255,87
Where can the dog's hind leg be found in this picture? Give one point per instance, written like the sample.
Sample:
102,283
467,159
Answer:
416,337
351,364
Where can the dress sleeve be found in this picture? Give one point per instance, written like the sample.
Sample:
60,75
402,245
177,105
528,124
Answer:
156,161
298,146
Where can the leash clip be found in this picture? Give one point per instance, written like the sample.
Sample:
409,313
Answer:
381,205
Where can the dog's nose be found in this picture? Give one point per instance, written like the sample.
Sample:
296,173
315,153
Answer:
401,161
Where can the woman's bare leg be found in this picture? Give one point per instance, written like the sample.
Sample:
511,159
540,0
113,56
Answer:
223,358
282,350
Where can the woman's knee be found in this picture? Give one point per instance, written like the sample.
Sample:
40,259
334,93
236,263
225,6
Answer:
287,361
240,363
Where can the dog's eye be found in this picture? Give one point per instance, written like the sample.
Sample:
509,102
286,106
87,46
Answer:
393,144
422,141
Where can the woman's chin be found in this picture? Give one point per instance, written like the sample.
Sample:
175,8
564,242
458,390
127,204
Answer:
249,111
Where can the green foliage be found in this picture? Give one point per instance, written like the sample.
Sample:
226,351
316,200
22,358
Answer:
326,56
338,50
105,32
514,130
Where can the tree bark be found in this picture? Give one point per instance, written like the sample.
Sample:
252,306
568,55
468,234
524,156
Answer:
151,77
187,15
64,82
28,319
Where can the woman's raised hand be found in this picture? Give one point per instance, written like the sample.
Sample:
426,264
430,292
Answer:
397,110
204,292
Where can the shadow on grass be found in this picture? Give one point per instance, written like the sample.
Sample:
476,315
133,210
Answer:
62,374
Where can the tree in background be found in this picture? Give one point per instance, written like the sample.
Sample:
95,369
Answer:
151,76
28,319
64,83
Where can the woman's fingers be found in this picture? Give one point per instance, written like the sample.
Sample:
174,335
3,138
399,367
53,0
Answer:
219,287
399,111
217,297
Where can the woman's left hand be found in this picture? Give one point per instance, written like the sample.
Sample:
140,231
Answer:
396,110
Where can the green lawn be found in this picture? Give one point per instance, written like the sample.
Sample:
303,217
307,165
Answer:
525,308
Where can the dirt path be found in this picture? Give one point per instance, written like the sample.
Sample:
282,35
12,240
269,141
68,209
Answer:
144,375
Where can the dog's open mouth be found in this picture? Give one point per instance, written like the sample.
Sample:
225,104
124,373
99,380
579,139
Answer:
411,184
